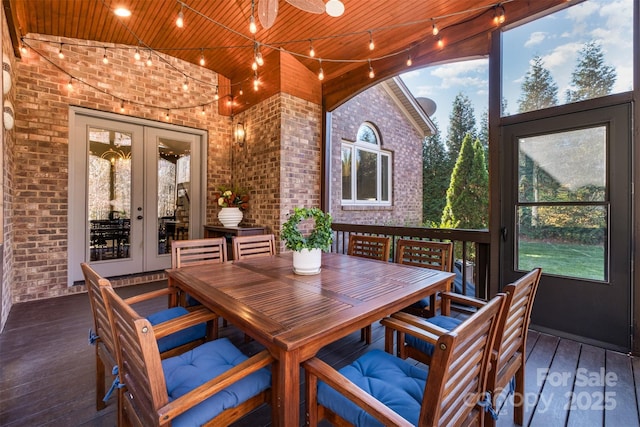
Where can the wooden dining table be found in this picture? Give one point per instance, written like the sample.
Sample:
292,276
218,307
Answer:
294,316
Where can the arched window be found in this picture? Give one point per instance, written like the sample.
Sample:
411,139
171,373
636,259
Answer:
366,169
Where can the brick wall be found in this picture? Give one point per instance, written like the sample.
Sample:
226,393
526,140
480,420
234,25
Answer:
40,204
399,137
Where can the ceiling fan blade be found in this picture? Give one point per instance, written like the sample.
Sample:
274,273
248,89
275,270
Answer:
311,6
267,13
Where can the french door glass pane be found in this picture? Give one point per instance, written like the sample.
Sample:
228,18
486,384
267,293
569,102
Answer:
174,179
109,201
346,173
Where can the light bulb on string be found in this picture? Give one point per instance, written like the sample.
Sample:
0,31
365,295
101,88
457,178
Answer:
149,61
240,92
70,85
256,82
202,62
371,73
217,95
252,20
60,53
498,16
434,29
254,64
440,42
259,59
122,105
167,116
180,19
185,85
320,72
371,44
312,51
137,55
203,111
105,60
409,61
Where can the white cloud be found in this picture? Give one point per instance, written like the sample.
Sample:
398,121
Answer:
535,38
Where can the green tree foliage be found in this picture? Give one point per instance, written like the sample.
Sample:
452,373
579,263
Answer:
539,90
468,193
435,178
462,122
591,77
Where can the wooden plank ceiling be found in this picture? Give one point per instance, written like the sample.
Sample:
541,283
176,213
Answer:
219,30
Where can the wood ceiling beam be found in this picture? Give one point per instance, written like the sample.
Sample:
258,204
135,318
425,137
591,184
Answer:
14,31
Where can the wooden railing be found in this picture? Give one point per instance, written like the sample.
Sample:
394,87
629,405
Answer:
471,247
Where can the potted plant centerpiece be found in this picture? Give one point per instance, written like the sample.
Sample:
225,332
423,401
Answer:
307,255
233,201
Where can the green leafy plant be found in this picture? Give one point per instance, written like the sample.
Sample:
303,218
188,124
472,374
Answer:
320,237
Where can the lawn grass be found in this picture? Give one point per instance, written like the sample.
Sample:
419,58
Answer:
565,259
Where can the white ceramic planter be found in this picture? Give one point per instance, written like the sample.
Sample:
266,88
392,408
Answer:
307,262
230,217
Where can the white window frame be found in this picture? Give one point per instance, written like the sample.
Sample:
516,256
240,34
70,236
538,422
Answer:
367,146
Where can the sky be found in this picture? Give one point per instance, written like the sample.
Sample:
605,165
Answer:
557,39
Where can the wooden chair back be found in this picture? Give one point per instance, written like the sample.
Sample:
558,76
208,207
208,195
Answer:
421,253
140,366
459,369
245,247
198,251
101,335
374,247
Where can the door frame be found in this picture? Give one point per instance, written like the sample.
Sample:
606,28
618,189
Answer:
610,114
77,167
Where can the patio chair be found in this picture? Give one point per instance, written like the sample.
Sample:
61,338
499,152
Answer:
212,384
428,254
193,328
245,247
373,247
508,359
195,252
379,386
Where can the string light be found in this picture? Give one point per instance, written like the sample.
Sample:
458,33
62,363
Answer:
240,92
60,54
256,82
258,54
409,61
203,111
168,115
180,20
122,105
440,42
202,57
105,60
252,20
434,29
149,61
371,73
185,85
70,84
23,48
371,44
320,72
217,95
498,16
137,55
312,52
254,64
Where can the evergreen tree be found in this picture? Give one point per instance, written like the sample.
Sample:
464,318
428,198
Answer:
591,77
538,89
462,122
435,178
483,132
468,193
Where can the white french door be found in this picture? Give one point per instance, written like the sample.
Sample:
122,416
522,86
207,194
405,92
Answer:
134,188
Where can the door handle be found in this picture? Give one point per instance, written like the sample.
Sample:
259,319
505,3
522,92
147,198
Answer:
139,217
503,233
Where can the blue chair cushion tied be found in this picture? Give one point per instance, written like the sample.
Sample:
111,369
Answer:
189,370
394,382
177,339
445,322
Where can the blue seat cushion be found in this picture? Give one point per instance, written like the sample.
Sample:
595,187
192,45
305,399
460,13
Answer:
393,381
445,322
189,370
177,339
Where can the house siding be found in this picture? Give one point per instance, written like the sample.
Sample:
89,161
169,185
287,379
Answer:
397,135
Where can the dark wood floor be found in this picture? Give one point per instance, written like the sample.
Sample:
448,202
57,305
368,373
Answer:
47,373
